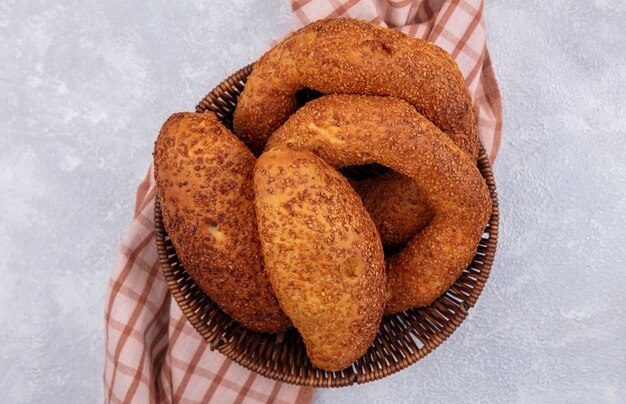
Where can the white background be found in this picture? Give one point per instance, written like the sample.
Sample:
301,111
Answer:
85,86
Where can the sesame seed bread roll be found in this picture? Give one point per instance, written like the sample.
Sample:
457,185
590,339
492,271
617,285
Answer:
204,180
350,56
397,206
322,253
349,130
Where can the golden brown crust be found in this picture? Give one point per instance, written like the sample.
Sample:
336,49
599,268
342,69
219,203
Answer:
344,130
355,57
397,206
322,253
204,179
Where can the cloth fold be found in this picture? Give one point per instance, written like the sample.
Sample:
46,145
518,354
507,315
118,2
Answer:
153,354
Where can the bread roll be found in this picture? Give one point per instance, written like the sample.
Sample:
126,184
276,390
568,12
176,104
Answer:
357,129
322,253
204,180
397,206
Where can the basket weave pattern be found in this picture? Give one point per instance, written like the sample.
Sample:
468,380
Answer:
403,338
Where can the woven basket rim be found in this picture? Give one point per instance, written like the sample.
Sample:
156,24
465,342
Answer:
397,344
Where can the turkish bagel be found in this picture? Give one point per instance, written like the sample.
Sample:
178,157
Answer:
343,130
356,57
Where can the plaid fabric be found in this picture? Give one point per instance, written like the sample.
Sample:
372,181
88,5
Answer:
152,353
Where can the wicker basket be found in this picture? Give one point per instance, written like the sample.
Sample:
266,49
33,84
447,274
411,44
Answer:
403,338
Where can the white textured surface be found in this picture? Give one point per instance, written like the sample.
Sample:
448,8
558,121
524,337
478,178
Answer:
85,86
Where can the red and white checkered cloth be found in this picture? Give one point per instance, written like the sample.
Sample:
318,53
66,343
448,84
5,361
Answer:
152,353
